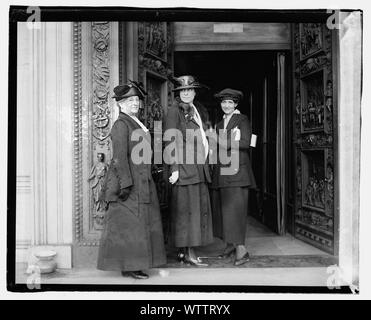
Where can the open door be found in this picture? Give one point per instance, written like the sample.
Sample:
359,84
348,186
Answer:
147,56
314,136
281,144
269,116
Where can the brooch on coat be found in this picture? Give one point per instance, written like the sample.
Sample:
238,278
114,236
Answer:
187,111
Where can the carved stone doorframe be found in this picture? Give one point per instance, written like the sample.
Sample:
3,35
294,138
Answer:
95,56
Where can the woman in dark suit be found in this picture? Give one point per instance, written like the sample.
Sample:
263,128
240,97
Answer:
231,188
190,202
132,239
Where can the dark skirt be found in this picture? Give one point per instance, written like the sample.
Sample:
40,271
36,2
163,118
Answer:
230,208
132,237
191,215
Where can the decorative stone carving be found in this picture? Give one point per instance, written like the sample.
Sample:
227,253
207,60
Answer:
77,132
101,114
92,122
101,111
96,179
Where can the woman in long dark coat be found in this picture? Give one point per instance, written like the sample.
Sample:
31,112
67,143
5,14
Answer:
231,191
190,201
132,239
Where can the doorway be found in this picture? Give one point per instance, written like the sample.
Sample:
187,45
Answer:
255,73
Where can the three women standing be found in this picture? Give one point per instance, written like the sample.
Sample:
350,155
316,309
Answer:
132,239
231,191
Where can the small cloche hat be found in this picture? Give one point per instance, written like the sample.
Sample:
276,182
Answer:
229,94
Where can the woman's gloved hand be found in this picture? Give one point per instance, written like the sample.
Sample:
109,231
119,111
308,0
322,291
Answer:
124,193
174,177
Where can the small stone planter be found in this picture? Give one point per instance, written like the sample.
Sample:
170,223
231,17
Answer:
46,261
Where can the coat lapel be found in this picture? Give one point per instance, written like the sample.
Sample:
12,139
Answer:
233,122
127,118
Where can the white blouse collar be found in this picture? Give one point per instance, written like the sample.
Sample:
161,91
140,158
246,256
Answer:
140,123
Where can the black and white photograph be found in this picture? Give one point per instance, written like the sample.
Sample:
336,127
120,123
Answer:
184,148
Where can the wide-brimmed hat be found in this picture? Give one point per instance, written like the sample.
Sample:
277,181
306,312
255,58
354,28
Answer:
186,82
132,88
229,94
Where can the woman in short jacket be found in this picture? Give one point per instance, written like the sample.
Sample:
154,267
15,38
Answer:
231,187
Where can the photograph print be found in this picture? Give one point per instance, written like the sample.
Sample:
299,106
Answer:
184,149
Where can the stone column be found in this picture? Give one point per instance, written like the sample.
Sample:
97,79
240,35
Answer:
349,144
45,95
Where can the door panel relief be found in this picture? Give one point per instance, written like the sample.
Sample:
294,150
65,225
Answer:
314,135
155,64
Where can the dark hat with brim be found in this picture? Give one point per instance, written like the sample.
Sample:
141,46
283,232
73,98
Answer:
229,94
186,82
128,90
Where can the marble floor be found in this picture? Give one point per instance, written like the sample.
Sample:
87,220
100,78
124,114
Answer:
261,241
275,261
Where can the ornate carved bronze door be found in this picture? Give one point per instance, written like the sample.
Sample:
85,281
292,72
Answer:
148,58
314,137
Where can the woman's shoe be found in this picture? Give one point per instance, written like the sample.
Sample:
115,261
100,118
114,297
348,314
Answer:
135,274
181,257
195,262
244,259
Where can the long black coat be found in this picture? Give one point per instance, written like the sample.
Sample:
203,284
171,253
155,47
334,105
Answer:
190,201
132,238
177,119
244,175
